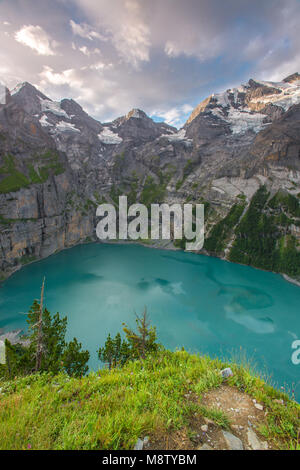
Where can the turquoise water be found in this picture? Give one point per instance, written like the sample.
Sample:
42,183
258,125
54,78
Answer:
202,303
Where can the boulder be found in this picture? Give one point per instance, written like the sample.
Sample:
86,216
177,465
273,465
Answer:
232,442
226,373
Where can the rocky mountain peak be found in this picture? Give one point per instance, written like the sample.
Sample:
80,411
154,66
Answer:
26,89
137,114
138,126
28,97
200,109
254,84
292,78
250,107
71,106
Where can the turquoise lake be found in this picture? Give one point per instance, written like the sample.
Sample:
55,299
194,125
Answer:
202,303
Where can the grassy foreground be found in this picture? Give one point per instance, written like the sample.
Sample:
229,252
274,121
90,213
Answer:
112,409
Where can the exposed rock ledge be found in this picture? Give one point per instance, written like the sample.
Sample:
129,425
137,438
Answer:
290,279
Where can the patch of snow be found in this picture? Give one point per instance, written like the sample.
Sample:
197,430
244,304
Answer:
179,136
280,85
168,131
242,117
219,190
288,97
217,112
242,121
63,126
44,122
222,99
108,137
53,107
290,94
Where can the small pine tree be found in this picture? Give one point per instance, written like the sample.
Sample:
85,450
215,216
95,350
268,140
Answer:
50,338
115,351
125,352
143,341
106,354
47,350
74,361
16,360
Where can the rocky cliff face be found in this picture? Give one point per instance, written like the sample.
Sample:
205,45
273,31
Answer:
57,164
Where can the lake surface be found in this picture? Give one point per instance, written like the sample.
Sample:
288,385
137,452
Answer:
202,303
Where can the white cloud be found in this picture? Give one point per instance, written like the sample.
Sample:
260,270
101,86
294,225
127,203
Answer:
175,116
124,24
86,51
86,31
66,77
170,49
101,66
123,54
36,38
133,43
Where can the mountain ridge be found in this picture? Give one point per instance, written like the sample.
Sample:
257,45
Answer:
253,93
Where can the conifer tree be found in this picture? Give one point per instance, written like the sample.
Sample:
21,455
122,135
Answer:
106,354
143,341
74,360
39,326
45,348
115,351
48,340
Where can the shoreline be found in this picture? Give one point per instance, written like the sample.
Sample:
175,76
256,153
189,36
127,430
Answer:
291,280
166,245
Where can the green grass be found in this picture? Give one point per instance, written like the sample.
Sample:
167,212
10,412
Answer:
111,409
6,221
153,193
27,259
13,179
38,171
282,424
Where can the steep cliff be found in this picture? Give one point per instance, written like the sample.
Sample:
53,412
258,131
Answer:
57,164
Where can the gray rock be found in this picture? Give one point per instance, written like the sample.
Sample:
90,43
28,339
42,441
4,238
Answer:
233,442
253,440
264,445
226,373
139,445
205,447
209,421
259,407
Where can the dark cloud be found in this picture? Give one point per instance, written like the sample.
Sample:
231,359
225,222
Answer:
161,56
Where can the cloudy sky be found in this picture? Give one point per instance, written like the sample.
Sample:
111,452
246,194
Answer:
163,56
